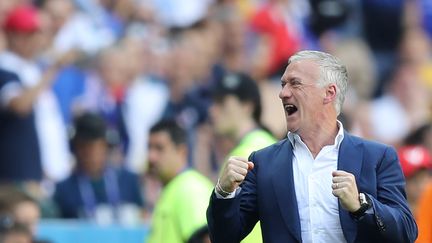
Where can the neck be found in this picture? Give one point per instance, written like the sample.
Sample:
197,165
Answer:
321,135
245,127
21,54
175,173
94,174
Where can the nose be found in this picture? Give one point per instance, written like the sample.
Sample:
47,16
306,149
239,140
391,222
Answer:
285,92
152,156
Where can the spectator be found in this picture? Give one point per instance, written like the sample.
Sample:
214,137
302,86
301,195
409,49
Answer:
236,114
19,208
12,232
179,215
416,162
419,188
105,92
96,189
380,17
422,135
189,96
144,89
22,27
74,30
403,108
277,26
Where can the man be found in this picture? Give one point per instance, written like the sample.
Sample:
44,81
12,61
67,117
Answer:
13,232
179,215
23,31
321,184
236,115
96,188
416,163
18,206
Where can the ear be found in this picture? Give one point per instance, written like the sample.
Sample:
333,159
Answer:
330,95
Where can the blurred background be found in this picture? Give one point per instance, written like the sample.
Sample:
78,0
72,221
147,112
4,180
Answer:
82,82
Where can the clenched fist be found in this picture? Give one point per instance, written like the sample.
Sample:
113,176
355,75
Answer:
345,188
233,173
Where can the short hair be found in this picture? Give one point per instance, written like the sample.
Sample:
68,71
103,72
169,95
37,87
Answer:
89,127
176,133
332,71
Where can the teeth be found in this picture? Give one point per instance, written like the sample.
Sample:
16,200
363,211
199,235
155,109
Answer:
290,108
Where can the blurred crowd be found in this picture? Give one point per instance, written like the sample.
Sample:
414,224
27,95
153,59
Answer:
83,82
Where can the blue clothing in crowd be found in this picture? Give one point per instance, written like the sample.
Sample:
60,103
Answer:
19,148
78,196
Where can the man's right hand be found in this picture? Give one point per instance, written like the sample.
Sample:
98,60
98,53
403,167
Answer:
234,172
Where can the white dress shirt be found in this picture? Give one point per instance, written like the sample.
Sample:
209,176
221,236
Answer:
318,207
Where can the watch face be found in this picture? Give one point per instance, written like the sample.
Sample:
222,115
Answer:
364,206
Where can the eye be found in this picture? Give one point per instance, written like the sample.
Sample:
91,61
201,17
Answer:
295,82
283,84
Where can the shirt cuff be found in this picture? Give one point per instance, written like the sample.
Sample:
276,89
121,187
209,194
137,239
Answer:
230,195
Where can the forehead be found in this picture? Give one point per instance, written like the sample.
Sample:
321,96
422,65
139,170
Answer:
161,137
302,69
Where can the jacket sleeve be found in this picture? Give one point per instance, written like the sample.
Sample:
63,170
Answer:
391,215
230,220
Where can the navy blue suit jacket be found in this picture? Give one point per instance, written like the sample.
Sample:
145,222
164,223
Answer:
71,203
268,195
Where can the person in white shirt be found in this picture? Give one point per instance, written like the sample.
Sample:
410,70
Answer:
320,184
23,32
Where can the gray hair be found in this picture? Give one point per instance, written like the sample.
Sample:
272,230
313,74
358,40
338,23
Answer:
332,71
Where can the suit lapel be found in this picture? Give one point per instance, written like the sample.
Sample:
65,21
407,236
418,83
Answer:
350,159
283,183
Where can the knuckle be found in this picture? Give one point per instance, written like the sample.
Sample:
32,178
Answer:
230,167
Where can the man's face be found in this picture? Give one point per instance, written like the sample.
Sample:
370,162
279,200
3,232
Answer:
301,96
92,155
25,45
224,114
27,213
164,155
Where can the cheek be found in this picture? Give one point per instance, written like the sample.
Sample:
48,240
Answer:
214,113
165,161
97,154
231,111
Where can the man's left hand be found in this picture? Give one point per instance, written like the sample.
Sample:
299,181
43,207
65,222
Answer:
345,188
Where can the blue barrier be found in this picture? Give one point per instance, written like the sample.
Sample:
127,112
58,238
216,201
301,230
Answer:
67,231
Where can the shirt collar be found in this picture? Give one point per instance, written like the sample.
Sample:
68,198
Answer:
294,137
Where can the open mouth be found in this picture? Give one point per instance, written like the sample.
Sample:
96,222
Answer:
290,109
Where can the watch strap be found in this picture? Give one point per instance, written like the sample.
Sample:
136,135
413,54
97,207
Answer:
365,204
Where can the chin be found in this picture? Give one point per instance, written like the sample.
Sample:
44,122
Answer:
292,126
290,129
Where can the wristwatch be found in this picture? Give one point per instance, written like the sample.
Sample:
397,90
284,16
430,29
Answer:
365,204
